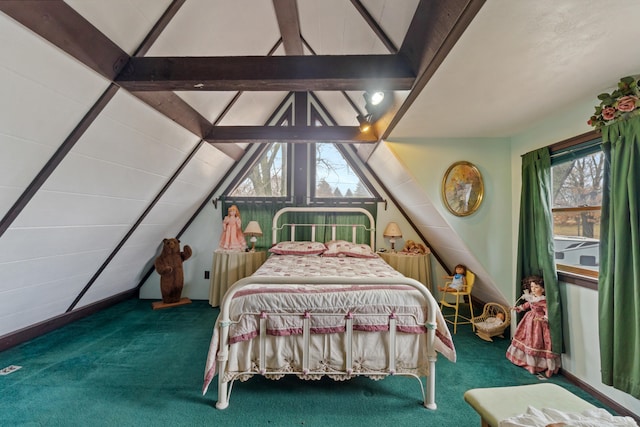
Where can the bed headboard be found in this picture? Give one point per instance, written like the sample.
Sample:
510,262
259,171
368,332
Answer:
277,228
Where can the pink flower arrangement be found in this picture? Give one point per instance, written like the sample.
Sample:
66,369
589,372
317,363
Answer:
621,104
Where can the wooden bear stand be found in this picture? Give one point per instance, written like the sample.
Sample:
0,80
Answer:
159,305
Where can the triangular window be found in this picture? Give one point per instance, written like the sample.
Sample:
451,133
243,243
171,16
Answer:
327,170
268,177
334,176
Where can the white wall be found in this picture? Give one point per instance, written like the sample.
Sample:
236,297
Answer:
204,233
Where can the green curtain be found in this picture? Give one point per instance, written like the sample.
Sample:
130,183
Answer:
263,212
619,278
535,237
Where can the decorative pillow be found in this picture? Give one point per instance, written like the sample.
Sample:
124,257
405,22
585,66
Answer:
298,248
344,248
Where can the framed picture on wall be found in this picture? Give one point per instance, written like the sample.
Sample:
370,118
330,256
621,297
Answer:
462,188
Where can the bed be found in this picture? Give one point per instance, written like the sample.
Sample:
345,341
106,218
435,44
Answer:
332,309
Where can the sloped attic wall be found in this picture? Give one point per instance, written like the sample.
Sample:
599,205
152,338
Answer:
412,173
84,210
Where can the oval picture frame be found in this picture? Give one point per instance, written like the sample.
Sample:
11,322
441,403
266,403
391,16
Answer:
462,188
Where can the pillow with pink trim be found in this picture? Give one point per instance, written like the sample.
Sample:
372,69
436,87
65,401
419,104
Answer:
344,248
298,248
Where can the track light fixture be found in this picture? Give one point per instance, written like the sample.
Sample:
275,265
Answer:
373,98
365,122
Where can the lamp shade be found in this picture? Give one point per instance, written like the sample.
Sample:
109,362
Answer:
253,229
392,230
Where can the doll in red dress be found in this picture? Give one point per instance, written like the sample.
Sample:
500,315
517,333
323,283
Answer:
531,344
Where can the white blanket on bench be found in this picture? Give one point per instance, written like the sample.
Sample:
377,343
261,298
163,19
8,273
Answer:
597,417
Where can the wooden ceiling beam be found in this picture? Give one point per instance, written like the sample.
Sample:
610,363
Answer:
294,134
289,24
434,30
375,27
65,28
268,73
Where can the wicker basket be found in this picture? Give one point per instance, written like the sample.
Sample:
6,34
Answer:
485,327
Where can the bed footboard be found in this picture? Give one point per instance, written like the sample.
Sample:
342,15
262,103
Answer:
305,370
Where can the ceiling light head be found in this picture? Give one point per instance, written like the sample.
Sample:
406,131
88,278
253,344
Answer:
373,99
376,97
364,122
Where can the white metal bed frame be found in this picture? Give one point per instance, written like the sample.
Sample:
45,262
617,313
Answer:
224,322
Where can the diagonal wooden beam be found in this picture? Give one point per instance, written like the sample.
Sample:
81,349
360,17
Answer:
61,25
57,158
159,27
289,24
294,134
434,30
375,27
268,73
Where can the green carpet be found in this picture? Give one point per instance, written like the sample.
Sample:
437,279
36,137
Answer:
130,365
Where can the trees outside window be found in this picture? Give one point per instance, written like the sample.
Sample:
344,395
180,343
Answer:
268,177
577,199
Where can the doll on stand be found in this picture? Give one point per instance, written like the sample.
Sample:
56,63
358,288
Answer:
458,280
232,237
531,344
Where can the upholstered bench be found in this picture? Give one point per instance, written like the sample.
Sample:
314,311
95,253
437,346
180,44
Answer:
499,403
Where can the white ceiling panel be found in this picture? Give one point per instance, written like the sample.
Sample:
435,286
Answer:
103,179
32,312
209,104
26,243
45,67
393,19
142,124
334,27
219,28
125,22
35,270
253,108
519,61
62,209
340,108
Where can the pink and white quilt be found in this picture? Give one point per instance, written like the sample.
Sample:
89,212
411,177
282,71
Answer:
370,307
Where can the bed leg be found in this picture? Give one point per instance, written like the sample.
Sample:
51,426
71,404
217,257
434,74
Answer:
223,355
223,394
429,400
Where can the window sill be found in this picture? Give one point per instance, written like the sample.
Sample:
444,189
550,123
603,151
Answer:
578,280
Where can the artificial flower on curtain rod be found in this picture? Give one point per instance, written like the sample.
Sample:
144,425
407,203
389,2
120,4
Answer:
621,104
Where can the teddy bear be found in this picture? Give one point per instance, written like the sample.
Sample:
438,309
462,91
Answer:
414,248
169,267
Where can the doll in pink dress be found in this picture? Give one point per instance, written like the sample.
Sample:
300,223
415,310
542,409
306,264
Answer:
531,344
232,238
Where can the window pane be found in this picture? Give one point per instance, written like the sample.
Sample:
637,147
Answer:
334,176
576,239
578,184
268,177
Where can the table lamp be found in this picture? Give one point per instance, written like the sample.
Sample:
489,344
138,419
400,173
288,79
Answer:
253,229
392,231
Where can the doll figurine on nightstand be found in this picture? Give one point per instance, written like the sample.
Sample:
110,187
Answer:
531,344
232,237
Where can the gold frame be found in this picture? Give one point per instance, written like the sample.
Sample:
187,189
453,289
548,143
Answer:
465,174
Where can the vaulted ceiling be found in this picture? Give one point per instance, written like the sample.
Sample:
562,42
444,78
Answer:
220,68
119,118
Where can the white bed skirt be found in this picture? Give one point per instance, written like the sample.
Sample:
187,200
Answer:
327,356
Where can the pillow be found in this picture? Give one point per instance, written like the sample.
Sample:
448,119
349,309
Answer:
344,248
298,248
